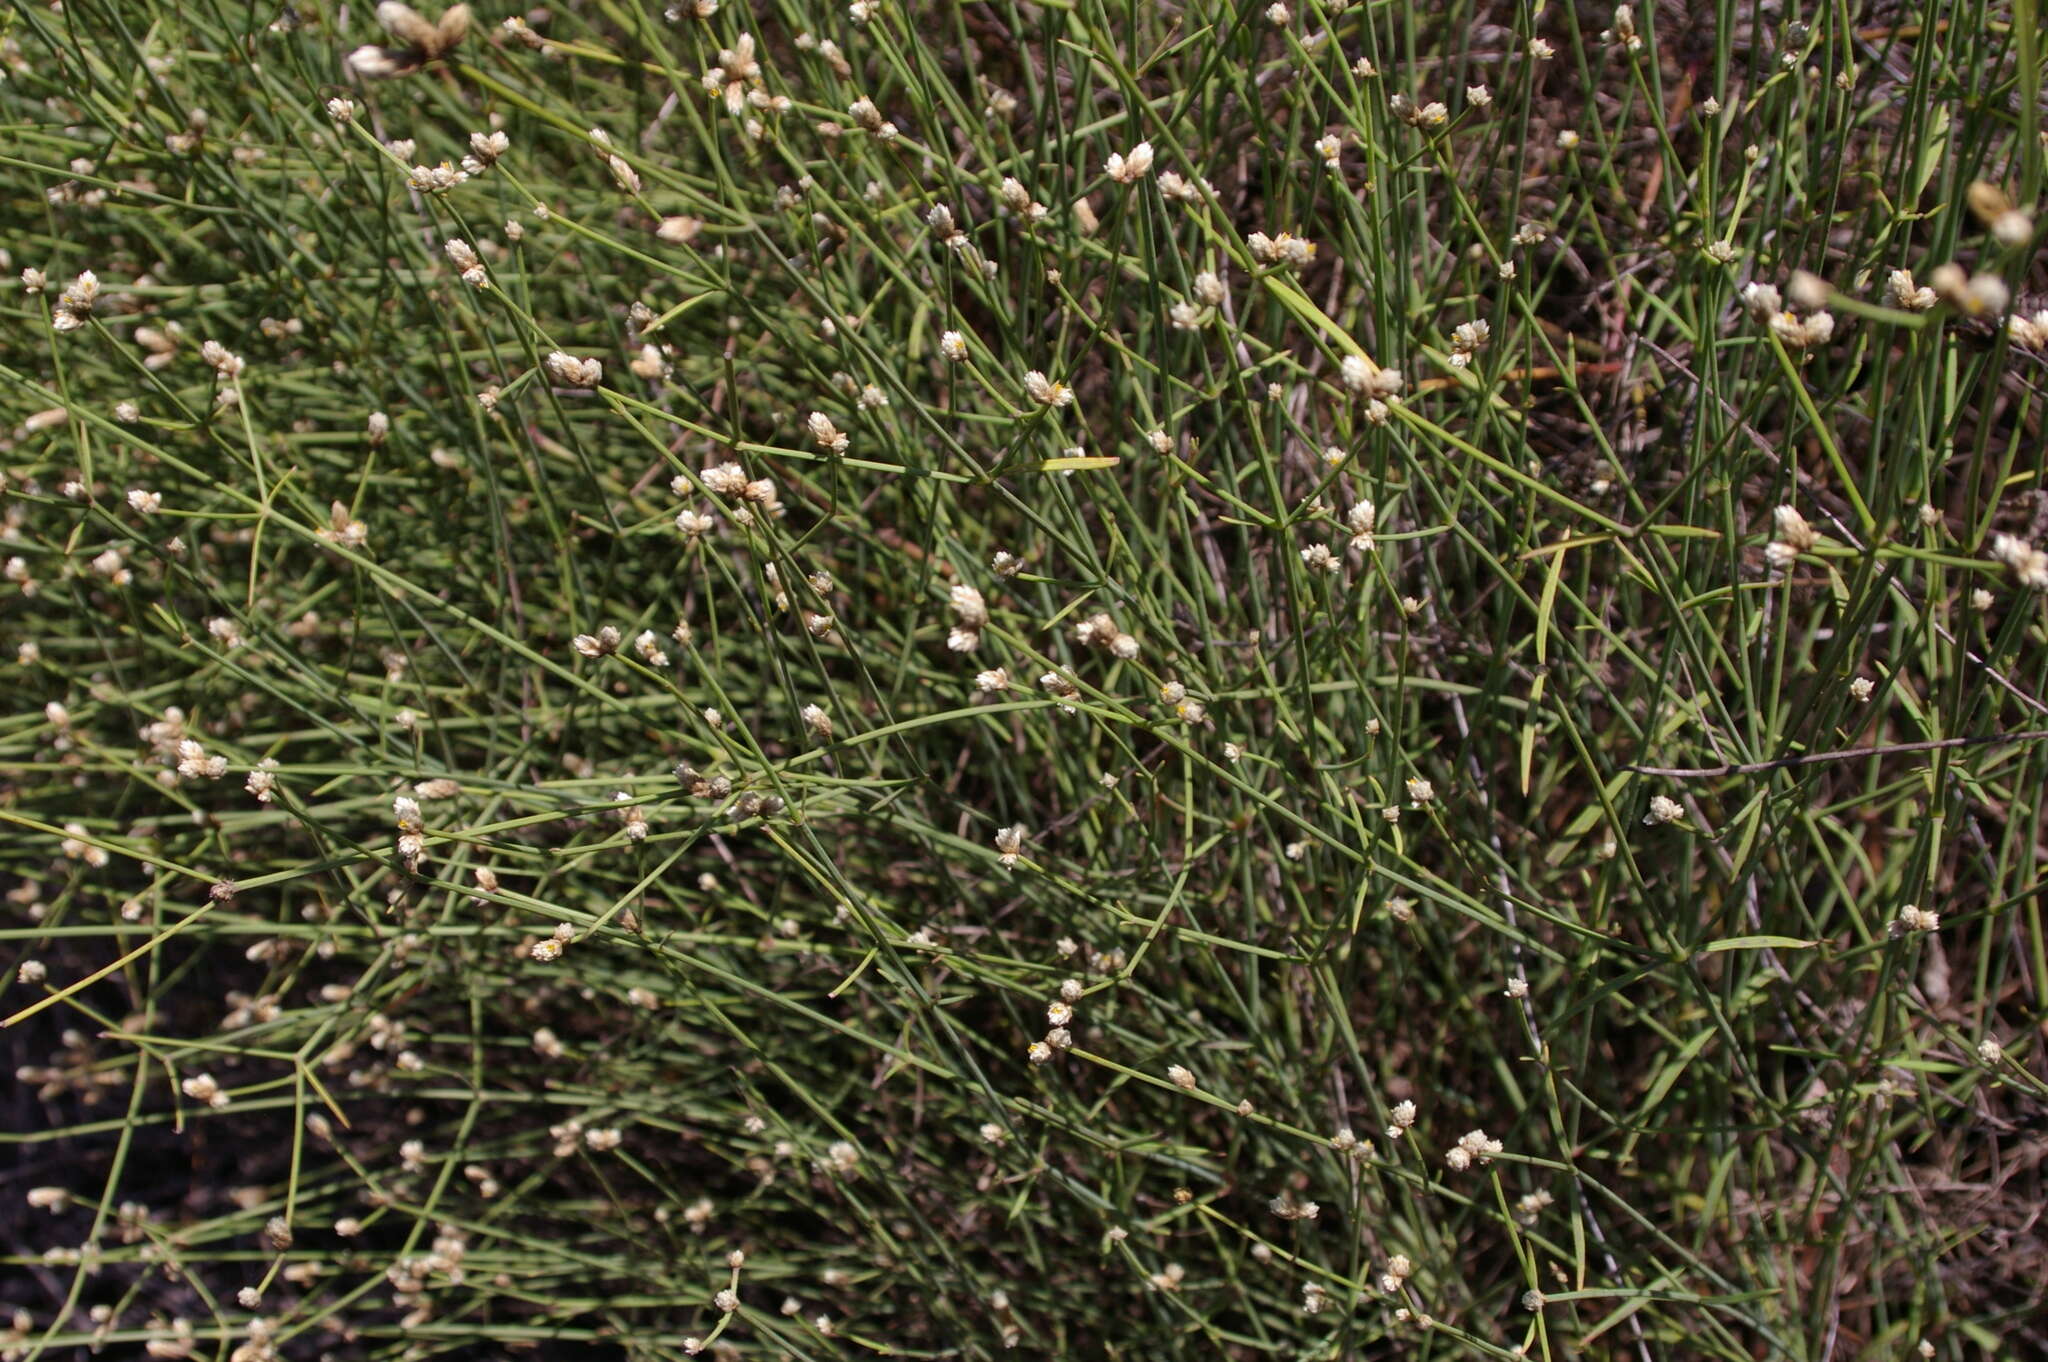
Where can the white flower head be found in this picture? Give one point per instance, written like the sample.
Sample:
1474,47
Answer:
463,256
1130,166
603,643
2028,564
828,436
1047,391
572,372
1663,809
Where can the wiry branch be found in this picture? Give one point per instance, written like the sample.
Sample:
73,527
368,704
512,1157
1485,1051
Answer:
1750,768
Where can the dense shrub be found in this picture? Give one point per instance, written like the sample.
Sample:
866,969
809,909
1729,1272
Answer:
1158,681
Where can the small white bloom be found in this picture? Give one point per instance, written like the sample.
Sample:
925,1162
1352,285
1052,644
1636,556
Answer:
1663,809
572,372
463,256
1362,520
1131,166
1285,250
1901,291
2028,564
1318,558
1623,34
203,1088
603,643
827,435
1913,918
1045,390
1470,338
436,179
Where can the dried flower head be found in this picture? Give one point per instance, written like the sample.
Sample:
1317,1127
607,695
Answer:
417,41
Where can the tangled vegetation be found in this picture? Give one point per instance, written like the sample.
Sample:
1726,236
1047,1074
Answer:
1280,680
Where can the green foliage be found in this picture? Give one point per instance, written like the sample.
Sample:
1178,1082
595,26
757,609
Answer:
857,558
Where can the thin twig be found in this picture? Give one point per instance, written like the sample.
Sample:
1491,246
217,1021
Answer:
1751,768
